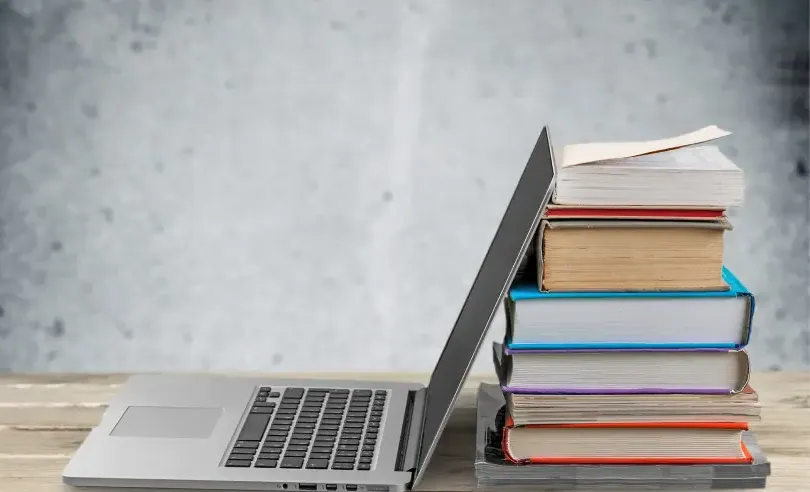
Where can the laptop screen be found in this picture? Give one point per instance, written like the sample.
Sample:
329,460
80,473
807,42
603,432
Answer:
497,271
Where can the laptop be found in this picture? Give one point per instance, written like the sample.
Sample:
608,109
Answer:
208,432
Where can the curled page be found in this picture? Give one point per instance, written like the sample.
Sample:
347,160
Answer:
577,154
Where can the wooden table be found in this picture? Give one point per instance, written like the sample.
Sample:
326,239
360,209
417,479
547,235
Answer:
44,418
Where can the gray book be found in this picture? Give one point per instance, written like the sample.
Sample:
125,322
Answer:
493,470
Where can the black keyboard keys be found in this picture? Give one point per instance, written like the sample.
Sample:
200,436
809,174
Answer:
266,463
371,431
317,463
314,428
234,463
254,426
292,462
293,394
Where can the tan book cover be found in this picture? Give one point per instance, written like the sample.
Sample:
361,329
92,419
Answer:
631,255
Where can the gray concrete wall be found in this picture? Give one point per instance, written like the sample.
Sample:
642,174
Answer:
266,185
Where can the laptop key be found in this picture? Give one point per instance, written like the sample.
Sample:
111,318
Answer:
317,464
254,426
320,456
238,463
294,393
244,451
292,462
364,466
294,454
266,463
247,444
343,466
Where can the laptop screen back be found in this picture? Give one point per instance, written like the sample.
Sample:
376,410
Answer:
497,271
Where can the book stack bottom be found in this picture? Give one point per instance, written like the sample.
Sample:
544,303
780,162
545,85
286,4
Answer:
494,469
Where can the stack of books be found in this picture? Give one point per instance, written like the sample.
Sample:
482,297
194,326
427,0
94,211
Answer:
625,345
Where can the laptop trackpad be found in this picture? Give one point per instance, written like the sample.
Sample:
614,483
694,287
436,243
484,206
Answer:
167,422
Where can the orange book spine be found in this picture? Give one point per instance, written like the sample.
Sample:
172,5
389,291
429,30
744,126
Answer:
746,458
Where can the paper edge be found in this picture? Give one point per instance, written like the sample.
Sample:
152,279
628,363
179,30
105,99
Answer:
649,146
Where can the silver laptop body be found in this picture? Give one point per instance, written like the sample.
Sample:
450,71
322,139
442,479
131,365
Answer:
206,432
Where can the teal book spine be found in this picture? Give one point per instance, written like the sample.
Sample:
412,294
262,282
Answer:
529,291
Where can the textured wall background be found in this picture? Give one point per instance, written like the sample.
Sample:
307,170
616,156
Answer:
312,185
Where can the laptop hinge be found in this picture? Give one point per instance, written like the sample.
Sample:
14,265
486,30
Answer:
412,431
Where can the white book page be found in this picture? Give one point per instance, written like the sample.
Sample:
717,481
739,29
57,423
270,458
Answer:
578,154
703,158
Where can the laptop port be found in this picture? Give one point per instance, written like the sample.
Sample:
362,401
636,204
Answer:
331,486
351,488
307,486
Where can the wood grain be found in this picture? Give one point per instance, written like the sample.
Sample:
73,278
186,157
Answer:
45,417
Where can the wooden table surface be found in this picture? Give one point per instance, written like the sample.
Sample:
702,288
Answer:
45,417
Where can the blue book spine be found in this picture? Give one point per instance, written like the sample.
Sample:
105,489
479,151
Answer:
526,291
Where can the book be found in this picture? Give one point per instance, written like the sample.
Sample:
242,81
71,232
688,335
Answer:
527,409
628,320
556,211
667,172
712,371
493,470
627,443
631,255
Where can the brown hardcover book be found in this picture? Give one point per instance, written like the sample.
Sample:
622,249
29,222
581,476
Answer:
631,255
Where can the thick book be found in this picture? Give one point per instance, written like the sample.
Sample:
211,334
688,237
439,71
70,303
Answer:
630,255
528,409
684,443
667,172
629,320
641,371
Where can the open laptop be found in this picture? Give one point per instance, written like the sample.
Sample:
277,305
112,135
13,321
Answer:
232,433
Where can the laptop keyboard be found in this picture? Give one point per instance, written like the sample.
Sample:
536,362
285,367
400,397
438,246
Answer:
310,428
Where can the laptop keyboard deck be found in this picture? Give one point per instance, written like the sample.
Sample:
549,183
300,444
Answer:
312,428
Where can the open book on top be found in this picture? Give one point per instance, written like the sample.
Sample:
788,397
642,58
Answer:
672,172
